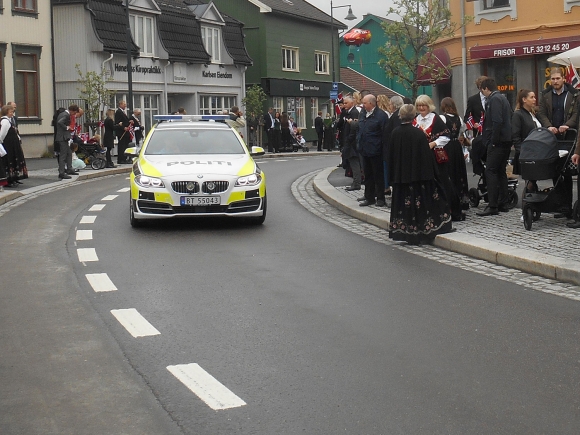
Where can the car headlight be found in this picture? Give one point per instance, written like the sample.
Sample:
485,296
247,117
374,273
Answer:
145,181
249,180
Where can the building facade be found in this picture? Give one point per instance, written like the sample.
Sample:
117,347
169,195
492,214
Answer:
26,71
511,41
184,54
290,43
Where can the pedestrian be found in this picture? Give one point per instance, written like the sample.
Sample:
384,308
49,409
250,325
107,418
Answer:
109,136
53,124
497,137
558,112
63,136
137,127
396,102
123,136
456,167
77,163
319,127
329,136
475,110
524,121
236,120
285,132
372,124
277,133
269,127
349,151
419,210
14,161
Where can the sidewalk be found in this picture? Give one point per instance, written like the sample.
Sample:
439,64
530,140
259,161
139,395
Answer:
550,249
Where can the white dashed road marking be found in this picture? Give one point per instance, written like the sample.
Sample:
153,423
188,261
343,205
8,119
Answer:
109,197
124,189
100,282
134,322
84,234
205,386
97,207
87,254
88,219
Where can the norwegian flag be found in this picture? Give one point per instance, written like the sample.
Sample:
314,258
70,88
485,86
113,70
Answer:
132,133
84,137
572,76
78,129
470,122
480,128
101,124
338,101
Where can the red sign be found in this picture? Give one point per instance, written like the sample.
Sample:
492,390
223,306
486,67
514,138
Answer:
525,48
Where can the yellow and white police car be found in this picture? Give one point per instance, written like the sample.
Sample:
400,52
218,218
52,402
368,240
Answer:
195,165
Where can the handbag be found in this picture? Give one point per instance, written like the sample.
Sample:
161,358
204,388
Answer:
441,155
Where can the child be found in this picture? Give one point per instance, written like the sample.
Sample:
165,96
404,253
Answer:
301,142
76,162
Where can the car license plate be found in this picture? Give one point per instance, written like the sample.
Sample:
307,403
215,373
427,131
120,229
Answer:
200,200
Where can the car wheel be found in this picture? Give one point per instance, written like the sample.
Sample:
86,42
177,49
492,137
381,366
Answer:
135,223
473,197
259,220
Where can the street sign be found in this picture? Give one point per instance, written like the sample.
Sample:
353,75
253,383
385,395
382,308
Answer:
334,95
335,86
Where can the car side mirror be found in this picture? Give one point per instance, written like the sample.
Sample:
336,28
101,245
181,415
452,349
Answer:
132,152
257,151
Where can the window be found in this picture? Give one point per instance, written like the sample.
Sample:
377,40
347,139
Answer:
25,5
490,4
143,32
277,104
290,59
300,113
495,10
26,80
313,109
215,104
148,103
212,42
321,63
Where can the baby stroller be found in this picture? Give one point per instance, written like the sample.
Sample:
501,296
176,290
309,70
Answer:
478,155
544,157
92,154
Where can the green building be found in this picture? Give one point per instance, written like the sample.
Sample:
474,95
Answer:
290,44
364,59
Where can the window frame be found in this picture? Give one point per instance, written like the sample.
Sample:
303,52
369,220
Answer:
494,13
300,113
143,33
296,60
313,109
24,115
225,102
215,52
3,47
325,60
278,104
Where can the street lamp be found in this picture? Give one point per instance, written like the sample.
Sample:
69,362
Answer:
350,16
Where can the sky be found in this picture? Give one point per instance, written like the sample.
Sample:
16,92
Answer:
359,8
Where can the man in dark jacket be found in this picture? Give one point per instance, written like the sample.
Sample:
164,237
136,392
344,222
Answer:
497,137
349,150
475,107
123,135
372,124
319,127
269,128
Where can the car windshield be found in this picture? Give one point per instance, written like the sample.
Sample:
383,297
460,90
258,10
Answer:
193,141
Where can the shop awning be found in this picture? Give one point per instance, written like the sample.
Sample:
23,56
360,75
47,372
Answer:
436,60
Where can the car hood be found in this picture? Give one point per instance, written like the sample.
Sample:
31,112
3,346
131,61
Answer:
219,164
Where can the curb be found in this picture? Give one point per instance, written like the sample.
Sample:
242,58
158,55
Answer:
532,262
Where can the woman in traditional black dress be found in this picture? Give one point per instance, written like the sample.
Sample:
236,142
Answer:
14,162
419,209
438,135
456,167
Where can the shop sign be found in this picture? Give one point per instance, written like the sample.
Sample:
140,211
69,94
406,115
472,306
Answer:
179,73
526,48
216,75
138,69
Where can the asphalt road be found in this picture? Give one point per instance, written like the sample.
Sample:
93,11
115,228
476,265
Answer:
308,328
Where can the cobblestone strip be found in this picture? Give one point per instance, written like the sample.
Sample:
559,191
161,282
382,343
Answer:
304,192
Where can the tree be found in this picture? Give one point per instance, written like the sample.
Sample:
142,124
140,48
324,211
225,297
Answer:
254,105
410,40
95,92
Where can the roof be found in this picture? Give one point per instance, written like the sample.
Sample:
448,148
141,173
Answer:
301,9
109,21
358,82
180,32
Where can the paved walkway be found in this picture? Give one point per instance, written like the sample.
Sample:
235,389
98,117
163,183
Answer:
548,250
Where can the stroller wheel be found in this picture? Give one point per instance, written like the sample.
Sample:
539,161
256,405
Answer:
512,199
474,197
98,163
528,217
536,215
576,211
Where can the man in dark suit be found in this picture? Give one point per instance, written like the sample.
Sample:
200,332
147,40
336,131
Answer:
476,107
137,128
123,135
63,136
269,128
497,136
319,127
349,131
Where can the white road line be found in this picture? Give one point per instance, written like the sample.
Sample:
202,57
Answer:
100,282
281,160
87,254
84,234
134,322
124,189
205,386
97,207
109,197
88,219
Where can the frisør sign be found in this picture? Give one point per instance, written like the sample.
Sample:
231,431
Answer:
525,48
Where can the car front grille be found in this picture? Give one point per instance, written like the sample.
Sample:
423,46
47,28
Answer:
218,186
181,187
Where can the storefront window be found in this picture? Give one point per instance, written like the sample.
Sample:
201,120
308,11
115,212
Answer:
504,73
543,67
313,110
278,104
300,113
215,104
148,103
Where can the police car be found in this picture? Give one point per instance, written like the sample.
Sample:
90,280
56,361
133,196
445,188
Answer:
195,165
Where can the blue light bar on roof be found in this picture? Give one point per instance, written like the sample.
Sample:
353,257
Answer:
190,117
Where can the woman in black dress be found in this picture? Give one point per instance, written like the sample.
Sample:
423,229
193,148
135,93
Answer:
14,162
109,136
419,209
277,133
286,136
523,122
